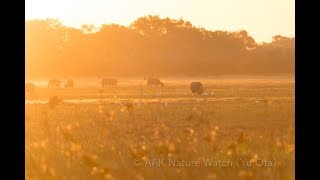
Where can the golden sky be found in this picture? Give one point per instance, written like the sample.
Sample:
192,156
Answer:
261,18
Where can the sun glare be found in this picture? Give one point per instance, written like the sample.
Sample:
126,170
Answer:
231,15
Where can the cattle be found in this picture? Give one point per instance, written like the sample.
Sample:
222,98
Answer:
155,82
29,88
196,88
69,83
54,83
109,82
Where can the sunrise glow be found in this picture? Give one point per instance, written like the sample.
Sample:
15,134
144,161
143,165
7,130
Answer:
262,19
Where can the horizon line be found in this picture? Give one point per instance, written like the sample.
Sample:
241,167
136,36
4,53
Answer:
98,26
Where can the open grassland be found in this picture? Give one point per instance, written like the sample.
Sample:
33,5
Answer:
135,132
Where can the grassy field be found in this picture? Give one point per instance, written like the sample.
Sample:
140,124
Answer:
239,129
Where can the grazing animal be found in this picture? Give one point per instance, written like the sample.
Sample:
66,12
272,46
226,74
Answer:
155,82
196,88
54,83
69,83
109,82
29,88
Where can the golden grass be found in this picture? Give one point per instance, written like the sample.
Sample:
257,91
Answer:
102,140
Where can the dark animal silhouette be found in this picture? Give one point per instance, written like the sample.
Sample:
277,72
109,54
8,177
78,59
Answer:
109,82
155,82
54,83
69,83
196,88
29,88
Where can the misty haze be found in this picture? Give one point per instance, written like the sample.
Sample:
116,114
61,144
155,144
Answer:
160,98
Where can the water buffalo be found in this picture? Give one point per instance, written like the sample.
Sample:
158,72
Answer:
69,84
109,82
196,88
54,83
29,88
155,82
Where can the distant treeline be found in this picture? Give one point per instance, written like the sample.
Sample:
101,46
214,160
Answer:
150,45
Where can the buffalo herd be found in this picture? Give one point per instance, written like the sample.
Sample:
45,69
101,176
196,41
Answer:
109,82
55,83
195,87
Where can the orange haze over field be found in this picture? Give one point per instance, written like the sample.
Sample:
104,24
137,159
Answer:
189,38
115,86
151,44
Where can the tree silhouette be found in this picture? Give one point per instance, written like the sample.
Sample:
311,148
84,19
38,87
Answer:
150,45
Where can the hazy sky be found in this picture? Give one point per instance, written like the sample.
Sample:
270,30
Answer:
261,18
